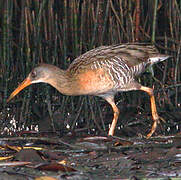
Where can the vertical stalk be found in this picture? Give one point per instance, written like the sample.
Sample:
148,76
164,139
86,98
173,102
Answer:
137,20
154,21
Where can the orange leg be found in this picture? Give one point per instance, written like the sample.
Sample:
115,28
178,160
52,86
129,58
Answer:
153,110
110,100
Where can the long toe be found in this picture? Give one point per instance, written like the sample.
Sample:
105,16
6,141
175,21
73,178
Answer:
162,119
154,126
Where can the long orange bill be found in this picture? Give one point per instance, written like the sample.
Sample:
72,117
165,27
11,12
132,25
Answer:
24,84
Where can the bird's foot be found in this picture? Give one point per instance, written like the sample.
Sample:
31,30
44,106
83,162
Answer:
154,126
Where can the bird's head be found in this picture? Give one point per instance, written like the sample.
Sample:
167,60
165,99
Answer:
39,74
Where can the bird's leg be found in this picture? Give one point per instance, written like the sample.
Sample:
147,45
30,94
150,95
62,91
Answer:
153,109
110,100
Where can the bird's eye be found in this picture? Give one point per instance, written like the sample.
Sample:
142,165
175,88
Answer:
33,74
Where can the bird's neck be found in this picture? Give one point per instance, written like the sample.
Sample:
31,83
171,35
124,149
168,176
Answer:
62,81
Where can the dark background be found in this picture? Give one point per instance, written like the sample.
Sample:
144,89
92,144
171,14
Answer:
57,31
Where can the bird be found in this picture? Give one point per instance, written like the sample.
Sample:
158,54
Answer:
103,71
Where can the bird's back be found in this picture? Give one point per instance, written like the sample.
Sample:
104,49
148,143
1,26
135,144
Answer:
130,54
112,67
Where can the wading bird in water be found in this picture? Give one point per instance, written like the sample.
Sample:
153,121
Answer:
102,72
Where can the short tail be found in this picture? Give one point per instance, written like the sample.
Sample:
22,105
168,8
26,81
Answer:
158,58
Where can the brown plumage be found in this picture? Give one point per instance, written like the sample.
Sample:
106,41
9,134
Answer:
103,72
